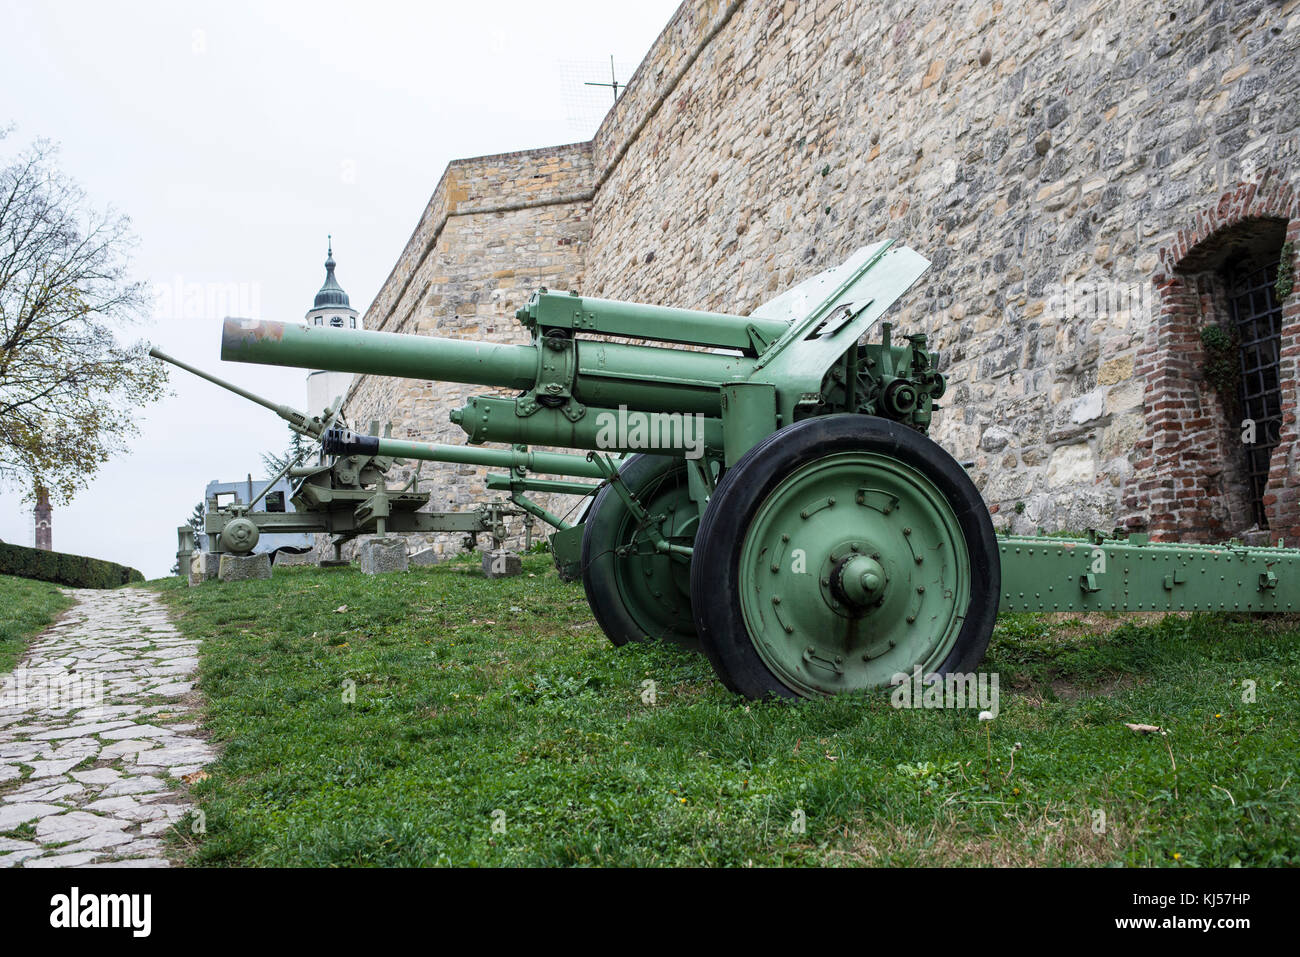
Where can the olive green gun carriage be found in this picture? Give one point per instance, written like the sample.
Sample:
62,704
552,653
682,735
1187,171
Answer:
794,519
521,462
346,494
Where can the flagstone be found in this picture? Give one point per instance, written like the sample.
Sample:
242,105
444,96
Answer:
112,809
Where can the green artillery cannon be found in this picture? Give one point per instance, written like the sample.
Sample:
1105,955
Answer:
346,493
783,505
566,541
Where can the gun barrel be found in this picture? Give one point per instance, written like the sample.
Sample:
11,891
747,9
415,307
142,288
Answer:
286,412
345,442
378,353
645,378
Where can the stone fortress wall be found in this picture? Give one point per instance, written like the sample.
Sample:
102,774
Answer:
496,228
1080,174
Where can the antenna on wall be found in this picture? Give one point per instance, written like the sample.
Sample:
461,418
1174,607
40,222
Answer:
613,81
584,103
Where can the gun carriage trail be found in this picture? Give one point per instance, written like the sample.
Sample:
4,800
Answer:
97,736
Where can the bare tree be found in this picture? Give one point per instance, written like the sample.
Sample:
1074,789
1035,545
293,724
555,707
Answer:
68,389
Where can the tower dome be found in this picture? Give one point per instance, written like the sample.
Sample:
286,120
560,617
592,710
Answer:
331,294
332,310
331,306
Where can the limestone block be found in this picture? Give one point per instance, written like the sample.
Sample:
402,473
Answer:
378,556
1115,371
1125,397
1071,465
204,567
996,438
296,558
1122,435
1088,407
238,568
500,563
426,556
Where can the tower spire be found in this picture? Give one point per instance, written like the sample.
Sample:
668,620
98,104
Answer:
331,293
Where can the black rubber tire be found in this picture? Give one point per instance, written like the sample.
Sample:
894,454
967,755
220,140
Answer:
743,489
606,527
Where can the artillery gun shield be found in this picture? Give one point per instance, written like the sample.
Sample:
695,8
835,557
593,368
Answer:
635,591
838,552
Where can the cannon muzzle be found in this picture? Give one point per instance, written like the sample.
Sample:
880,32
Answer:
347,442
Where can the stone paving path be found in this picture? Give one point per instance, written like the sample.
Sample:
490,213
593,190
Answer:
96,736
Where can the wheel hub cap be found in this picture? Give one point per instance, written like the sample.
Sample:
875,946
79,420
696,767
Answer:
859,582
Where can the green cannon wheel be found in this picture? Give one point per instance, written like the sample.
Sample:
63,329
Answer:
636,592
841,551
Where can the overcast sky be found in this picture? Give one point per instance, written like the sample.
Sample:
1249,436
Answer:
236,136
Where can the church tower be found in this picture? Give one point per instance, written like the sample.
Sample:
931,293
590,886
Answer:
43,520
330,310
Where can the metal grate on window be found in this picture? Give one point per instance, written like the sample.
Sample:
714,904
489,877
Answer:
1257,316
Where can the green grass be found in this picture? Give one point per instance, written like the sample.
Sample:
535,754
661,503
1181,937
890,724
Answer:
29,608
474,697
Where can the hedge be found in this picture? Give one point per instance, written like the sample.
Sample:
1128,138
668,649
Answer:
74,570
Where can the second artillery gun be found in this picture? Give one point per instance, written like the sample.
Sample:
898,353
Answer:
798,522
346,493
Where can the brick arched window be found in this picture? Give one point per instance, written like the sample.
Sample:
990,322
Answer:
1198,479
